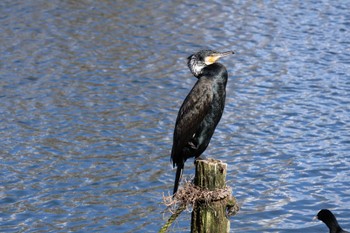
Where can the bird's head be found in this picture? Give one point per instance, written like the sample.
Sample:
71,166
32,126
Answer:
324,215
196,62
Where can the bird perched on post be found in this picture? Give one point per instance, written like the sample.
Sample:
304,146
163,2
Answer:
329,219
201,110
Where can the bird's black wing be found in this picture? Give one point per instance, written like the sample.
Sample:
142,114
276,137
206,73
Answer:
191,114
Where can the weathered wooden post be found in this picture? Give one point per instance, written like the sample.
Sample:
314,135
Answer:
210,211
208,195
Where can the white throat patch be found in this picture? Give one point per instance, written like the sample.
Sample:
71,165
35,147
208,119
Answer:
196,67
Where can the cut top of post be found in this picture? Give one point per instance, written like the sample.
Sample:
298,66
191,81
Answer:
210,174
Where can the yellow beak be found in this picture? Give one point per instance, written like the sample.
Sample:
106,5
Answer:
215,56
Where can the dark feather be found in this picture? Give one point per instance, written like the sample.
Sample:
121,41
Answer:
191,114
201,110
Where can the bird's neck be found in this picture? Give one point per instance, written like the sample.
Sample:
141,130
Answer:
333,226
217,71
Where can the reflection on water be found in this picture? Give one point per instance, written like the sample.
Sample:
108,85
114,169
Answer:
90,92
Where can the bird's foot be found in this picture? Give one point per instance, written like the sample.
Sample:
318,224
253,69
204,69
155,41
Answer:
202,157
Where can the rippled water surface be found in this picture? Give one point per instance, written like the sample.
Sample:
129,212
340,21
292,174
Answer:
89,93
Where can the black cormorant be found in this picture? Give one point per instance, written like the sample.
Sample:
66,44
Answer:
202,109
329,219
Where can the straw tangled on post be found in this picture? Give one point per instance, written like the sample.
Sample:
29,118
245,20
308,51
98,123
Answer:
190,194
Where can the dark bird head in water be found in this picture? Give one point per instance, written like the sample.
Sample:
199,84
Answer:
329,219
196,62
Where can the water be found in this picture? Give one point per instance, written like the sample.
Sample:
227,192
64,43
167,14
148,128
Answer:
90,90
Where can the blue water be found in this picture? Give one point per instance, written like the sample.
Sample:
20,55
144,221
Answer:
89,93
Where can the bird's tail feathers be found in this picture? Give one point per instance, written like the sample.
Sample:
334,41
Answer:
179,170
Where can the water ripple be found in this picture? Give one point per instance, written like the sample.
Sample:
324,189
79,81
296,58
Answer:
90,91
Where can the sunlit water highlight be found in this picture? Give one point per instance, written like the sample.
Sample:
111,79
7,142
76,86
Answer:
90,91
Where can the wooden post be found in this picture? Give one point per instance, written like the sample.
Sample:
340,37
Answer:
209,214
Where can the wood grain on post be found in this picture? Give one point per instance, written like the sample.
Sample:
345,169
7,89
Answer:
209,213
